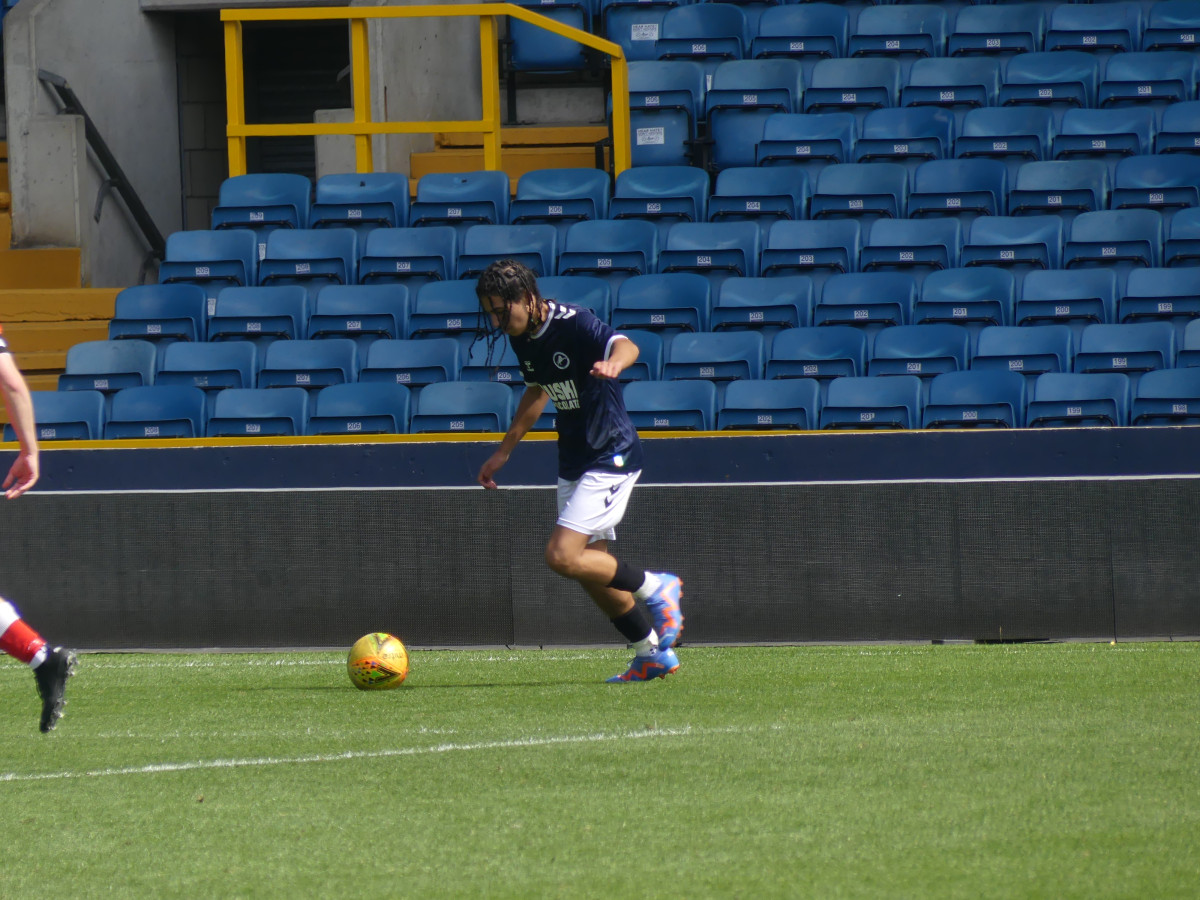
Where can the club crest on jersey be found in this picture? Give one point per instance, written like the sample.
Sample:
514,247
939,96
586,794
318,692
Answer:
561,360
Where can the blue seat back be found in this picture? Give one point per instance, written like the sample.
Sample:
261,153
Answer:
160,313
716,250
534,49
1170,295
1067,399
411,256
310,256
873,403
309,364
962,188
536,246
1102,28
108,366
256,412
866,191
909,135
65,416
763,304
579,290
211,259
461,199
263,202
1152,80
413,363
823,354
672,405
1167,397
1107,134
1130,349
809,141
997,30
634,25
1171,24
908,31
1058,80
498,363
972,297
1121,239
360,200
1073,298
1020,243
446,308
976,399
808,32
610,249
792,404
759,194
1165,181
649,364
871,300
560,197
917,246
921,350
817,248
361,409
361,312
158,411
260,314
662,194
210,366
669,303
666,107
1028,351
716,356
958,83
854,86
1180,128
744,93
464,406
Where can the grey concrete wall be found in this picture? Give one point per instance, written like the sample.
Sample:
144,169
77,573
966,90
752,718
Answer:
121,64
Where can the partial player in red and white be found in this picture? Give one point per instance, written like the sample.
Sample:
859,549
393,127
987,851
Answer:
52,666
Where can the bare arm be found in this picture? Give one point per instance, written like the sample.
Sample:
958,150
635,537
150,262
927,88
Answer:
624,354
24,471
532,402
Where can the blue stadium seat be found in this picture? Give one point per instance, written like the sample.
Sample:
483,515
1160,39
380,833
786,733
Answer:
921,350
1115,238
956,84
1182,247
975,399
649,363
763,304
1164,295
864,191
1105,134
1075,299
672,405
1018,243
759,194
715,250
156,411
1167,182
1128,348
1167,397
413,363
715,356
1189,351
263,202
817,249
579,290
1059,187
909,31
871,300
560,197
534,245
1152,80
962,188
1171,25
160,313
793,404
463,406
461,200
108,366
360,409
257,412
822,354
974,298
1180,131
211,259
1102,28
311,257
909,135
309,364
534,49
743,94
669,303
446,309
999,30
260,314
666,107
809,141
362,312
1066,399
1059,80
808,32
707,33
873,403
854,86
916,246
499,364
66,416
361,201
1026,351
209,366
662,194
634,24
1012,135
611,250
410,256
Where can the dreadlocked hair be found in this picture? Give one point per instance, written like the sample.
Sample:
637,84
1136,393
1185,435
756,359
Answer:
512,282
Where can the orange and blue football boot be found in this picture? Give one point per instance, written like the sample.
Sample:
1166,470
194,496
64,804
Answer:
645,668
664,607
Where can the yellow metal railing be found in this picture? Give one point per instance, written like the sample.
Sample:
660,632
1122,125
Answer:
363,126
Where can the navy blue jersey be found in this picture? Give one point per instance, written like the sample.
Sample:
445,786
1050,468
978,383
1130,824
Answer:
594,431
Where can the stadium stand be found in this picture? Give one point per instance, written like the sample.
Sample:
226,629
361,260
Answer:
672,405
156,411
1066,399
372,408
792,404
975,399
873,403
361,201
209,366
258,412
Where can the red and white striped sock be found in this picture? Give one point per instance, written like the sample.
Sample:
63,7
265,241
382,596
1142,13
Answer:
19,640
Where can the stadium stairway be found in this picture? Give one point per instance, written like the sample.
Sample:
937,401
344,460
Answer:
43,308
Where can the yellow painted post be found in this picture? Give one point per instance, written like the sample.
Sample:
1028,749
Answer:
489,65
622,154
360,60
235,96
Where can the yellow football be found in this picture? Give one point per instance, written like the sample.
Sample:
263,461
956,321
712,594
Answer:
377,662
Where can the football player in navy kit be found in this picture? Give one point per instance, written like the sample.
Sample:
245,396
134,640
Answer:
573,358
51,665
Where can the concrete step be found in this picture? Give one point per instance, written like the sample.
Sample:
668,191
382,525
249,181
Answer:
26,337
49,267
61,305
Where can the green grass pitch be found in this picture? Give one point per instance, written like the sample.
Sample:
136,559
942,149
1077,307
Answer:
1057,770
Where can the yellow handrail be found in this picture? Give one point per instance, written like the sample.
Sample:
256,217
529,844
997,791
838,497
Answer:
363,126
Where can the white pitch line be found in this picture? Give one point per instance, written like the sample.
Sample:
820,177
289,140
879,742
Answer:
251,762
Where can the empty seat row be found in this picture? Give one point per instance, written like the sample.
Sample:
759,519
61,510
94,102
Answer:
958,399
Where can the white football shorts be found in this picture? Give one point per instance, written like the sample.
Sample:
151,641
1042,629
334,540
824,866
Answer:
595,504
